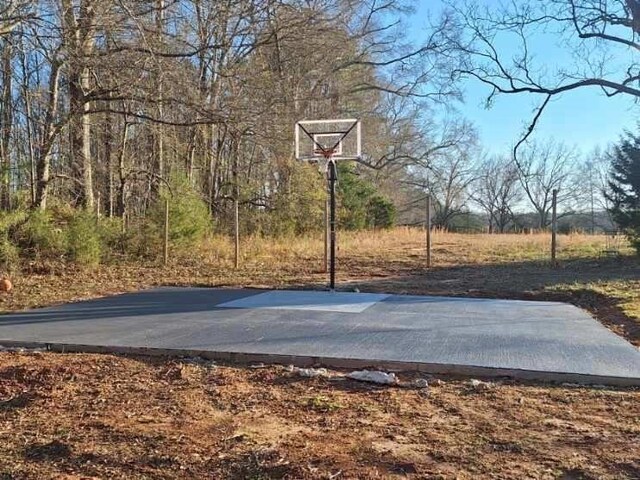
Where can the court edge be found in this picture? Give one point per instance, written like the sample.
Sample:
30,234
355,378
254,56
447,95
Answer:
336,362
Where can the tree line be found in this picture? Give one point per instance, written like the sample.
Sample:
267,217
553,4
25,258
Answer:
110,105
504,195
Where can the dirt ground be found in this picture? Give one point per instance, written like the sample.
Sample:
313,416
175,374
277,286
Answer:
101,416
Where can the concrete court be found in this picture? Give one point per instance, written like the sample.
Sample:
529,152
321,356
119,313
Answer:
537,340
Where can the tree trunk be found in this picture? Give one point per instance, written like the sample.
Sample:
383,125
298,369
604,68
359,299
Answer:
80,138
109,157
7,119
43,164
121,203
191,156
32,157
159,166
79,39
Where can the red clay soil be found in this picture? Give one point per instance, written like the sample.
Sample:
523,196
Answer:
103,416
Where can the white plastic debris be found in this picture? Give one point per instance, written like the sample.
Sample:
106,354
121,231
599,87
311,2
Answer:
311,372
21,349
257,365
479,384
420,383
374,377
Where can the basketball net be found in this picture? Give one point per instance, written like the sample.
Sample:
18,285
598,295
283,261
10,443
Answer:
326,154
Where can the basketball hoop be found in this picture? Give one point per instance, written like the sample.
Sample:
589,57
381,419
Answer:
335,139
331,140
327,153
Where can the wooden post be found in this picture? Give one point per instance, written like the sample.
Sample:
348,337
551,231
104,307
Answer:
428,228
554,225
236,209
111,209
98,207
236,232
165,249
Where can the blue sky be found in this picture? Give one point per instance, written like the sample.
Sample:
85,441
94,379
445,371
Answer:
584,118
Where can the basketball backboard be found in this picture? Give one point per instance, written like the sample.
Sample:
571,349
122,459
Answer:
329,141
335,139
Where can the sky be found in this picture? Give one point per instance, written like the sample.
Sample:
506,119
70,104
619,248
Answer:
584,118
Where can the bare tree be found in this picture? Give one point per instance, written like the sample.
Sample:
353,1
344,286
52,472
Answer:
6,118
598,40
448,178
543,168
594,174
496,190
106,101
79,36
13,13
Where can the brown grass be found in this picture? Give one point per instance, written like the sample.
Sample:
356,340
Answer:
448,248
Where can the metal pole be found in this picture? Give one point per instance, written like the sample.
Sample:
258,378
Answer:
332,223
325,264
428,228
554,225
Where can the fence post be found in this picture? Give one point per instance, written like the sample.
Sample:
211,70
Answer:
554,225
236,232
428,232
236,209
165,247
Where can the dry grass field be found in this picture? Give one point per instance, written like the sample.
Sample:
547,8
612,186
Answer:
103,416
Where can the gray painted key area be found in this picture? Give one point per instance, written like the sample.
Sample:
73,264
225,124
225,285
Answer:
438,333
345,302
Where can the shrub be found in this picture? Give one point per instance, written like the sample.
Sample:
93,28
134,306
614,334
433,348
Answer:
189,223
84,246
112,238
9,252
381,212
354,193
9,255
142,238
39,237
10,220
298,208
189,219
